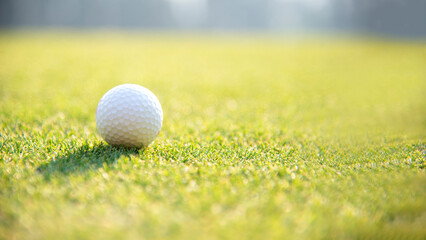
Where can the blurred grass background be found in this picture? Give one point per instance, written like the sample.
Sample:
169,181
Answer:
264,137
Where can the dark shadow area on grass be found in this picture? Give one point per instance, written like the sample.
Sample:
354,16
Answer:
84,159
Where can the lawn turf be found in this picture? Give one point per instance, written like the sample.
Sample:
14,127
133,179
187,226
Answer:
263,138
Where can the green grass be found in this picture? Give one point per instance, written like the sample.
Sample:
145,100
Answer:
263,138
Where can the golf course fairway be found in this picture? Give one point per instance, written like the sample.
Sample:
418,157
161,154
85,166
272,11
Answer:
264,137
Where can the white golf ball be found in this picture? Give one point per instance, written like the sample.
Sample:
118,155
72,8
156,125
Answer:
129,115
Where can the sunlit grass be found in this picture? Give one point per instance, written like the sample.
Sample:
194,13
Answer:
263,138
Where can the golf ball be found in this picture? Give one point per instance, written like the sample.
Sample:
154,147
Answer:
129,115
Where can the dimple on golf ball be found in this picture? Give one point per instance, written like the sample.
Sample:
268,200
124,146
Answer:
129,115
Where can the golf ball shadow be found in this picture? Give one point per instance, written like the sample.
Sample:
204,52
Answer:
86,158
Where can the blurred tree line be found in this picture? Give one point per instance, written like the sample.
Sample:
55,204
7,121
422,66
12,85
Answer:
391,17
388,17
